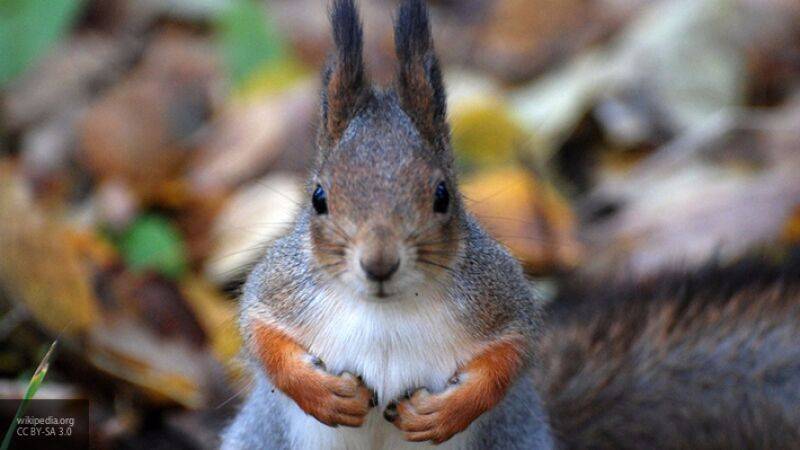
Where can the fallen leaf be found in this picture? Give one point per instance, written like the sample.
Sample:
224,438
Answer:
141,131
42,267
251,136
791,230
218,316
255,214
484,131
529,217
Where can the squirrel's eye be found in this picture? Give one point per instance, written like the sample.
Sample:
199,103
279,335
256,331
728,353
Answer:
320,200
441,199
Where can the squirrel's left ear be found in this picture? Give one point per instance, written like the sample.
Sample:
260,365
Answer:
345,86
419,82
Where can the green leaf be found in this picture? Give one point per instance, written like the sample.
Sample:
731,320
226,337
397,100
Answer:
28,28
36,381
248,40
153,243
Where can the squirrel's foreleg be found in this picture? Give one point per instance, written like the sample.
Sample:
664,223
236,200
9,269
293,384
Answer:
475,389
333,400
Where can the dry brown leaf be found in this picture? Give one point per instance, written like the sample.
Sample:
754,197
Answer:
252,135
254,215
727,187
141,130
169,370
139,335
42,265
64,80
791,230
527,216
218,317
152,337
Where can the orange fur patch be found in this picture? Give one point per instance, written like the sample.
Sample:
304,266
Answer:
437,417
333,400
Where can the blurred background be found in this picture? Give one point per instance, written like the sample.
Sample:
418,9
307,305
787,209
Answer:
150,149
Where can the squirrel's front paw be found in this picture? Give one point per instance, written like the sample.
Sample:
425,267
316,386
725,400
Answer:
333,400
434,417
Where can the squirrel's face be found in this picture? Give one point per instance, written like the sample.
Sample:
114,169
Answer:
384,207
385,213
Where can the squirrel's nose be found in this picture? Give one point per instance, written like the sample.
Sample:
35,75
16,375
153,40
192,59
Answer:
380,257
380,269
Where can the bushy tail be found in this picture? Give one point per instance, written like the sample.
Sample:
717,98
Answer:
703,360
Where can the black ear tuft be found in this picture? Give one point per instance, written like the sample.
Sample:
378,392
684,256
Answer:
419,82
412,34
347,34
344,83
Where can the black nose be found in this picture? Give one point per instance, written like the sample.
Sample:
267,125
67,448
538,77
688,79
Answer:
381,269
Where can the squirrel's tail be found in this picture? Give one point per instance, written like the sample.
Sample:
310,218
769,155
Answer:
709,359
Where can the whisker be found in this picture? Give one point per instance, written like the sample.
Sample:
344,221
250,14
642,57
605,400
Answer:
338,273
435,278
333,264
417,233
260,248
333,245
424,251
339,231
442,242
238,394
442,266
508,219
532,239
285,196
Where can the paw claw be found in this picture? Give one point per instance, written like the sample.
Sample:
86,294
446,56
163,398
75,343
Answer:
317,362
373,400
390,413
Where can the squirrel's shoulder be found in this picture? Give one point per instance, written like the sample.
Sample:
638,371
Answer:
486,260
284,274
491,285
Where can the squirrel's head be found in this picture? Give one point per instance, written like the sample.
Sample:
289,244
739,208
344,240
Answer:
385,210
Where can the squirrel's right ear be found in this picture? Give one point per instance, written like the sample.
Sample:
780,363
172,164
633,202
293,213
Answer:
345,86
419,83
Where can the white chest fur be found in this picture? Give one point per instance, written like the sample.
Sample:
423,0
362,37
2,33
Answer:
395,347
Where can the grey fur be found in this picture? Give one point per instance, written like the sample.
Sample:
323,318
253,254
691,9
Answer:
260,424
708,359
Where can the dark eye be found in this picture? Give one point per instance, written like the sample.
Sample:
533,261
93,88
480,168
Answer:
441,199
320,200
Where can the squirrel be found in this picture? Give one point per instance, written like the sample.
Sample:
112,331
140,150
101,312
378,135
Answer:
387,317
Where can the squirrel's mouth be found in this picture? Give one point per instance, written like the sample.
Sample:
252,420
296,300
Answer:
381,292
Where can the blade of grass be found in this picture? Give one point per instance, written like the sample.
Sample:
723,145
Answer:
33,386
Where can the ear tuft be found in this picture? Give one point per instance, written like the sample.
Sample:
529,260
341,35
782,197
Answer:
419,83
347,34
344,82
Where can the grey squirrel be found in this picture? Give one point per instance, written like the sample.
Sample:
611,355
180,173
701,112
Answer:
387,318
